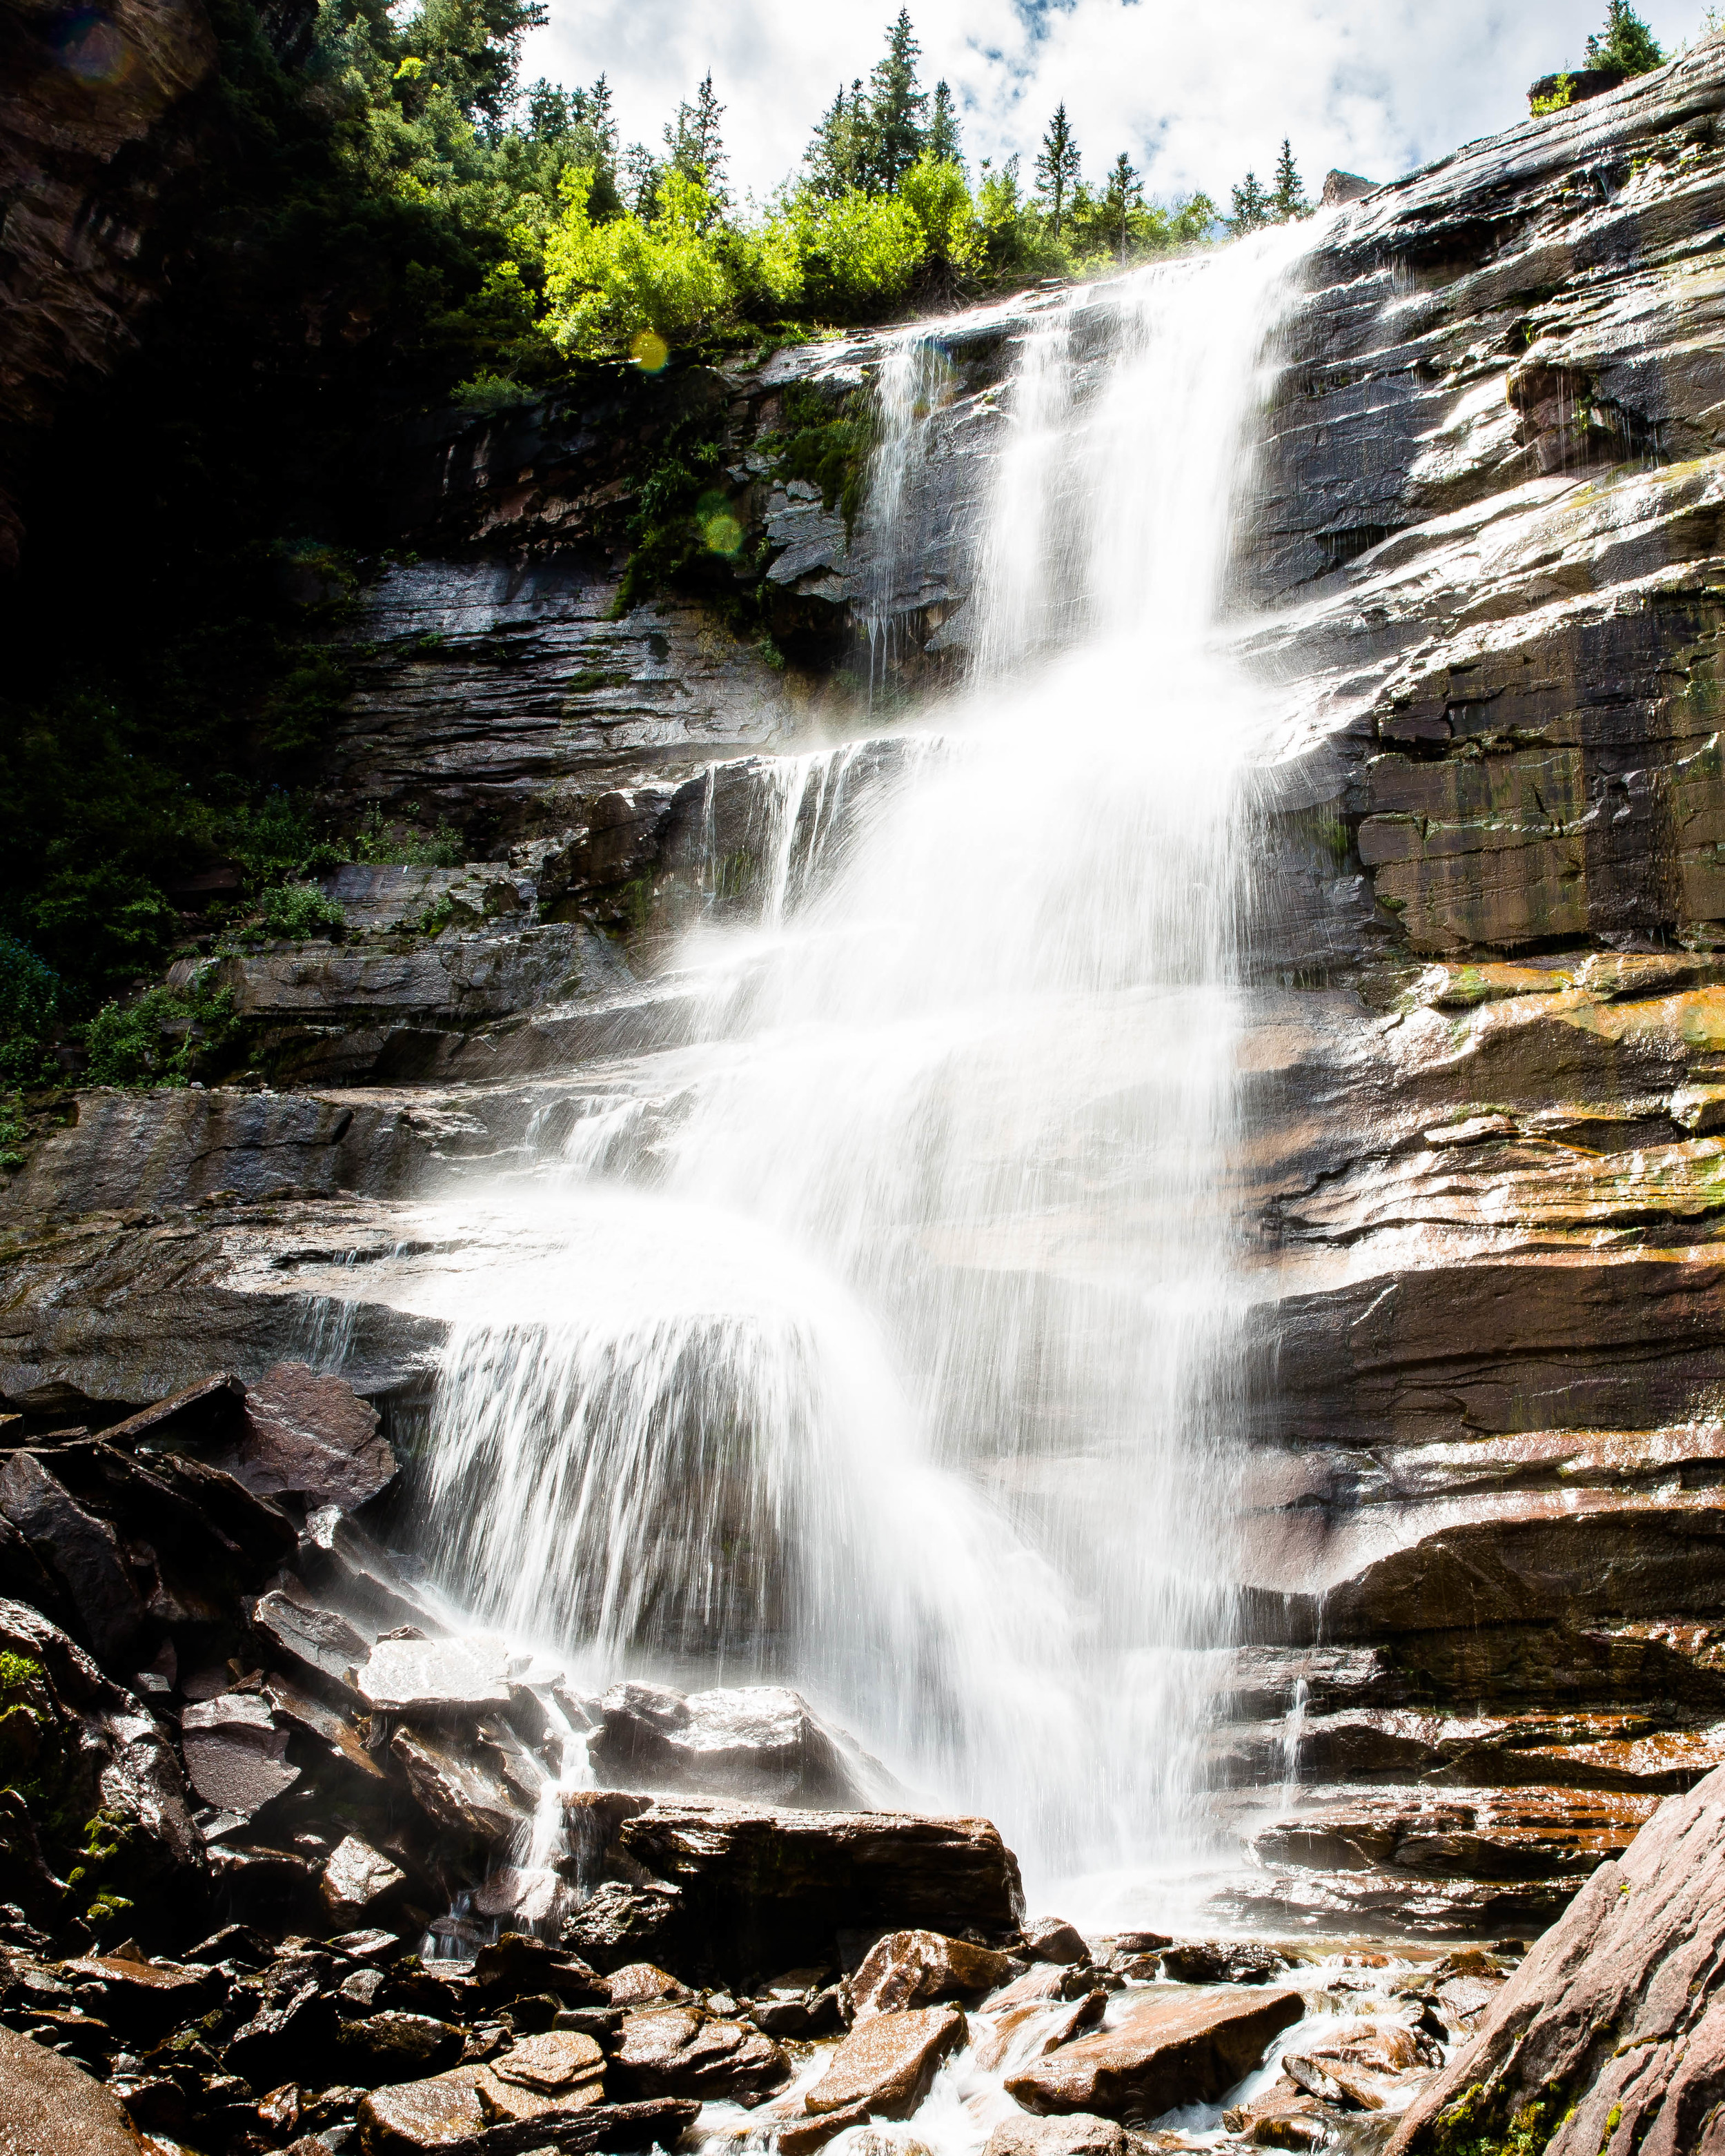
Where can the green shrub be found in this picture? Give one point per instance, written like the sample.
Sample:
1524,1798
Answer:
157,1041
30,1003
296,911
383,845
489,393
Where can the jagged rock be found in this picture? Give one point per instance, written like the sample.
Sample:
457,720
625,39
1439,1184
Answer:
1604,2036
1051,1938
336,1732
294,2041
144,1998
1078,2133
235,1755
760,1741
1284,2117
915,1968
49,2104
319,1639
311,1436
422,1676
639,1983
456,1789
357,1877
559,2060
888,2064
381,2048
1032,2030
681,2051
81,1550
1175,2051
616,1923
517,1963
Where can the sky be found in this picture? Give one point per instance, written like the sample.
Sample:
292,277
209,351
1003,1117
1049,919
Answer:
1195,91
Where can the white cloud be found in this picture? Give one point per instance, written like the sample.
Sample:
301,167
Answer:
1195,93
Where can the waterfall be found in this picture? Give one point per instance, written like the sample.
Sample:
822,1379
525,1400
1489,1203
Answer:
894,1352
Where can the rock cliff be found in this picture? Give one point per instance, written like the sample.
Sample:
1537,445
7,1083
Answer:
1486,1059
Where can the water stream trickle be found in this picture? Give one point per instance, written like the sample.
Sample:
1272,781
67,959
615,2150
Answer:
898,1358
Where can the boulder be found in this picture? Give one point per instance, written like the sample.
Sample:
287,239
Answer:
639,1983
447,2114
1220,1961
436,2113
681,2051
758,1741
552,2063
47,2104
517,1963
456,1787
1077,2133
316,1638
915,1968
80,1552
378,2049
1607,2035
235,1755
757,1888
1051,1938
1284,2117
1034,2030
1174,2052
888,2064
429,1676
356,1878
309,1435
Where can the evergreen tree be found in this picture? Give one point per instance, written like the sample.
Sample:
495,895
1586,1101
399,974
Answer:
1123,194
549,118
470,47
643,173
895,110
696,145
595,110
837,157
1057,167
1626,43
1253,206
1288,199
943,129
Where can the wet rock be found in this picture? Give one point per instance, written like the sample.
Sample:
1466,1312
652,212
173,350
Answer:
425,1676
801,2134
456,1787
889,2063
47,2104
1284,2117
551,2063
1174,2051
759,1741
1220,1961
235,1755
393,2046
80,1551
316,1638
264,1886
518,1963
356,1878
143,1998
639,1983
447,2113
915,1968
680,2051
341,1735
1051,1938
291,2039
311,1436
1605,2034
423,2114
1032,2030
759,1888
1078,2133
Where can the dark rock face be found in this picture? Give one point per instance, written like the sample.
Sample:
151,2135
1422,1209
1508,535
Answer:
1606,2036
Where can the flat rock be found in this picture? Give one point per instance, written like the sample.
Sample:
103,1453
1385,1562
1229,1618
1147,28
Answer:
309,1434
556,2061
421,1677
437,2113
1609,2034
320,1639
1174,2052
681,2051
1077,2133
640,1984
391,2046
356,1877
50,2107
1220,1961
888,2064
757,1740
915,1968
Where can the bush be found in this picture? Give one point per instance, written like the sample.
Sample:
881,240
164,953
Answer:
157,1041
29,1002
296,911
609,283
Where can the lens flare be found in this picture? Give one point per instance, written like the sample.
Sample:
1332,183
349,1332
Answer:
649,351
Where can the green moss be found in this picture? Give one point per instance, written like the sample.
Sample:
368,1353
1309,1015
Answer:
1557,100
1480,2122
825,445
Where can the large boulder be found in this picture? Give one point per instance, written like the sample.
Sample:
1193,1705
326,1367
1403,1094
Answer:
887,2066
681,2051
308,1435
1611,2034
48,2104
1173,2051
915,1968
759,1742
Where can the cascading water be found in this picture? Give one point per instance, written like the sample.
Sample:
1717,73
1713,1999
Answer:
892,1352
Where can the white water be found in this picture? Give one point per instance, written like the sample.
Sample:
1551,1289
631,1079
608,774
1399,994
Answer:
897,1357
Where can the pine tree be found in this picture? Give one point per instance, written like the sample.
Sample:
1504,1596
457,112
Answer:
837,155
602,120
1252,207
1626,43
1057,167
942,141
1288,200
549,117
695,144
895,110
644,173
1123,194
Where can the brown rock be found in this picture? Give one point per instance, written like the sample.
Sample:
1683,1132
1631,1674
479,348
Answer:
1078,2133
915,1968
1284,2117
455,1786
888,2063
1609,2034
558,2059
1220,1961
318,1638
995,2036
639,1983
1050,1938
680,2051
309,1435
801,2135
429,2114
356,1877
1174,2051
1037,1987
48,2106
235,1755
